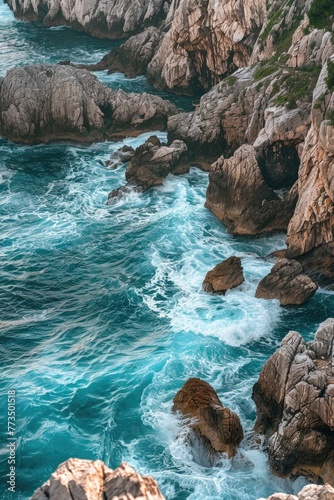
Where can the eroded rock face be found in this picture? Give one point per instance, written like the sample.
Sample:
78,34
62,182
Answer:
133,56
287,283
313,222
294,397
151,163
43,103
239,196
206,41
309,492
217,424
224,276
78,479
113,19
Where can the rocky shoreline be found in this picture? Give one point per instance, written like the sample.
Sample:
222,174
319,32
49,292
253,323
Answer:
264,130
295,416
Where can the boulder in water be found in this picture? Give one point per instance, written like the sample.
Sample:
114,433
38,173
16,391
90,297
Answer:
294,397
224,276
215,423
287,283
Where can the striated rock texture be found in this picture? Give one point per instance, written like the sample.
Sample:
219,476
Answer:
151,163
224,276
206,41
133,56
113,19
239,196
309,492
287,283
78,479
43,103
313,222
294,397
217,424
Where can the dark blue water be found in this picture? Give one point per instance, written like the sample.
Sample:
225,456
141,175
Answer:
102,313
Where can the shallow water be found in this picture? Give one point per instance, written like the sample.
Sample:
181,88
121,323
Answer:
102,313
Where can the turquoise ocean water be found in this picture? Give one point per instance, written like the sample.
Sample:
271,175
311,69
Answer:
102,313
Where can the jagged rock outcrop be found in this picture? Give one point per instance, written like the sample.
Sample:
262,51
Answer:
294,397
132,57
309,492
313,222
113,19
151,163
239,196
319,264
43,103
122,155
78,479
224,276
217,424
206,41
287,283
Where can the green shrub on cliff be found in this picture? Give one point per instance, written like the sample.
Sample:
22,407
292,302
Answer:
330,75
320,12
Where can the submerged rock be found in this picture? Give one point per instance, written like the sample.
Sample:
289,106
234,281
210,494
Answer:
216,424
239,196
287,283
224,276
151,163
43,103
120,156
78,479
309,492
294,397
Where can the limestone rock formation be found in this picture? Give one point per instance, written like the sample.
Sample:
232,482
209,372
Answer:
294,397
132,57
309,492
239,196
206,41
78,479
151,163
217,424
224,276
287,283
43,103
113,19
313,222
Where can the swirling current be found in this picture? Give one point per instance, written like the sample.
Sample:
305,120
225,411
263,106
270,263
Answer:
102,313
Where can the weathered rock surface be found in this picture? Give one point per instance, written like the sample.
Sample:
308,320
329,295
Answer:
287,283
122,155
133,56
43,103
151,163
206,41
224,276
239,196
319,264
309,492
294,397
217,424
78,479
313,222
113,19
